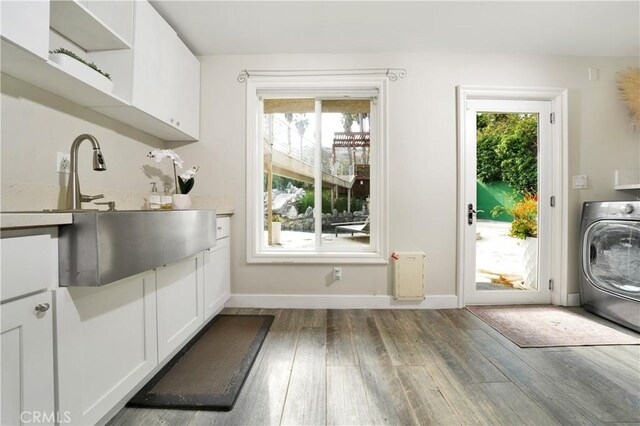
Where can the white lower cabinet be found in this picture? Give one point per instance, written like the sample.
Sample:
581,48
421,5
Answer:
106,344
26,375
217,278
110,339
179,298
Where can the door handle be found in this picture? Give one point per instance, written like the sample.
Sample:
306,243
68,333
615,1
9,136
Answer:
470,213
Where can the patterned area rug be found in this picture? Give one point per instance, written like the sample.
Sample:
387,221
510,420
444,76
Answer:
544,326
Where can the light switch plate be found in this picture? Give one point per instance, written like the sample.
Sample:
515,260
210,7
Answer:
580,182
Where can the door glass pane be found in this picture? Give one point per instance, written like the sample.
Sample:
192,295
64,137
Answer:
507,202
289,155
613,261
346,148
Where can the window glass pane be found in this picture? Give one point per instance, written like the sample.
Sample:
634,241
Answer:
288,189
346,146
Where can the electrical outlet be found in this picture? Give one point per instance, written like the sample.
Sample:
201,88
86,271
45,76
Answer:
63,162
337,273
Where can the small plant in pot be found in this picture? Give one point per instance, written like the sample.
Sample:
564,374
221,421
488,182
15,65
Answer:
276,229
186,181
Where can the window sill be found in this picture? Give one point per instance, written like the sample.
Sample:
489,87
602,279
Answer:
318,258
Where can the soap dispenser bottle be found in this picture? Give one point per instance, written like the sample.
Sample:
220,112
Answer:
155,201
166,199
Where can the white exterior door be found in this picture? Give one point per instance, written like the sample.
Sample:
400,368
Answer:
474,292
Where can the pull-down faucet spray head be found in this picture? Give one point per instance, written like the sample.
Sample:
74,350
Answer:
98,161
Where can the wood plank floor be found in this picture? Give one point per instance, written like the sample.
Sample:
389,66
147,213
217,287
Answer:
397,367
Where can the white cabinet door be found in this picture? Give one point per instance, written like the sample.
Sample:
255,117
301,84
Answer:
26,24
151,62
166,75
179,298
106,344
217,278
185,87
26,347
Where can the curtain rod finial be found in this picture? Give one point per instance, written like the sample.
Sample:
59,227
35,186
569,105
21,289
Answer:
243,76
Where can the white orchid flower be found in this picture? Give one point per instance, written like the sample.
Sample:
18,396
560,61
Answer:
189,174
159,154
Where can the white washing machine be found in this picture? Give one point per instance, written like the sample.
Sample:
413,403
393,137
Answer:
610,270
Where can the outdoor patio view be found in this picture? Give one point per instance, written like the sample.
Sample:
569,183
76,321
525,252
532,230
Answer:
507,202
290,170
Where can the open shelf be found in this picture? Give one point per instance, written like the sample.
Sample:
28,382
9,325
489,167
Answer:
49,76
74,21
627,179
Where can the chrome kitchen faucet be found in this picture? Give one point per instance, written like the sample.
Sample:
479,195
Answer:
74,197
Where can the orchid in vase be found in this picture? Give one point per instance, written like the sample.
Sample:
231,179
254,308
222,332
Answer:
183,182
186,180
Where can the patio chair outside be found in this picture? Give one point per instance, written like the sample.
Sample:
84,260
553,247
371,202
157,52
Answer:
353,227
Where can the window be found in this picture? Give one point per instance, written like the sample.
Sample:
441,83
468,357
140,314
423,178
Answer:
316,171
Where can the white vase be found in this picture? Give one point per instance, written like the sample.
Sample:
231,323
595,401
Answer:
276,228
530,262
181,201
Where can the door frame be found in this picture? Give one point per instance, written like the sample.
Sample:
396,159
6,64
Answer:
560,170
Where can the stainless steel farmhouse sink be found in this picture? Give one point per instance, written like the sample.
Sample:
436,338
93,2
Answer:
101,247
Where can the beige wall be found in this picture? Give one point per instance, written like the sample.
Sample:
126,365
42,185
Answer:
422,153
36,125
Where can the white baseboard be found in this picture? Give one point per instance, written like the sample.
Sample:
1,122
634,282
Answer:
573,299
307,301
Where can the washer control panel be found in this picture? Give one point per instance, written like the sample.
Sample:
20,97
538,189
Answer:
612,209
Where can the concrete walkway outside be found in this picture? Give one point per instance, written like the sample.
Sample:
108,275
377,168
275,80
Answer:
496,253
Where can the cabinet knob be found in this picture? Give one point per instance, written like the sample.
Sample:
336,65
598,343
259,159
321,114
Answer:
171,120
219,228
42,307
178,123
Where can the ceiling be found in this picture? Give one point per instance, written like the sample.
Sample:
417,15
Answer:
603,28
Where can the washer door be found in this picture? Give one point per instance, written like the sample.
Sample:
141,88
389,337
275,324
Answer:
611,257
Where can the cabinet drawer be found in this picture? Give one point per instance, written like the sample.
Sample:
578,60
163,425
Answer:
223,227
27,264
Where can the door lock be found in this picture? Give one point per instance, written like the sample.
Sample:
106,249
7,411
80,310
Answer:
470,213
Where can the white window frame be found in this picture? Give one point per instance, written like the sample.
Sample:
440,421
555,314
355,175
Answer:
329,87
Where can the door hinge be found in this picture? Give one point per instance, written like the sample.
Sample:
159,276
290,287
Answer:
552,201
552,117
551,284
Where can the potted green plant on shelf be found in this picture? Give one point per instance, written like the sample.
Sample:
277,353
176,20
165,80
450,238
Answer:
83,70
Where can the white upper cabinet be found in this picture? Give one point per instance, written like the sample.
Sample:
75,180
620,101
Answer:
156,79
166,75
185,92
26,24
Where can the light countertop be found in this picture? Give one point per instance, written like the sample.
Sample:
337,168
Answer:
11,220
